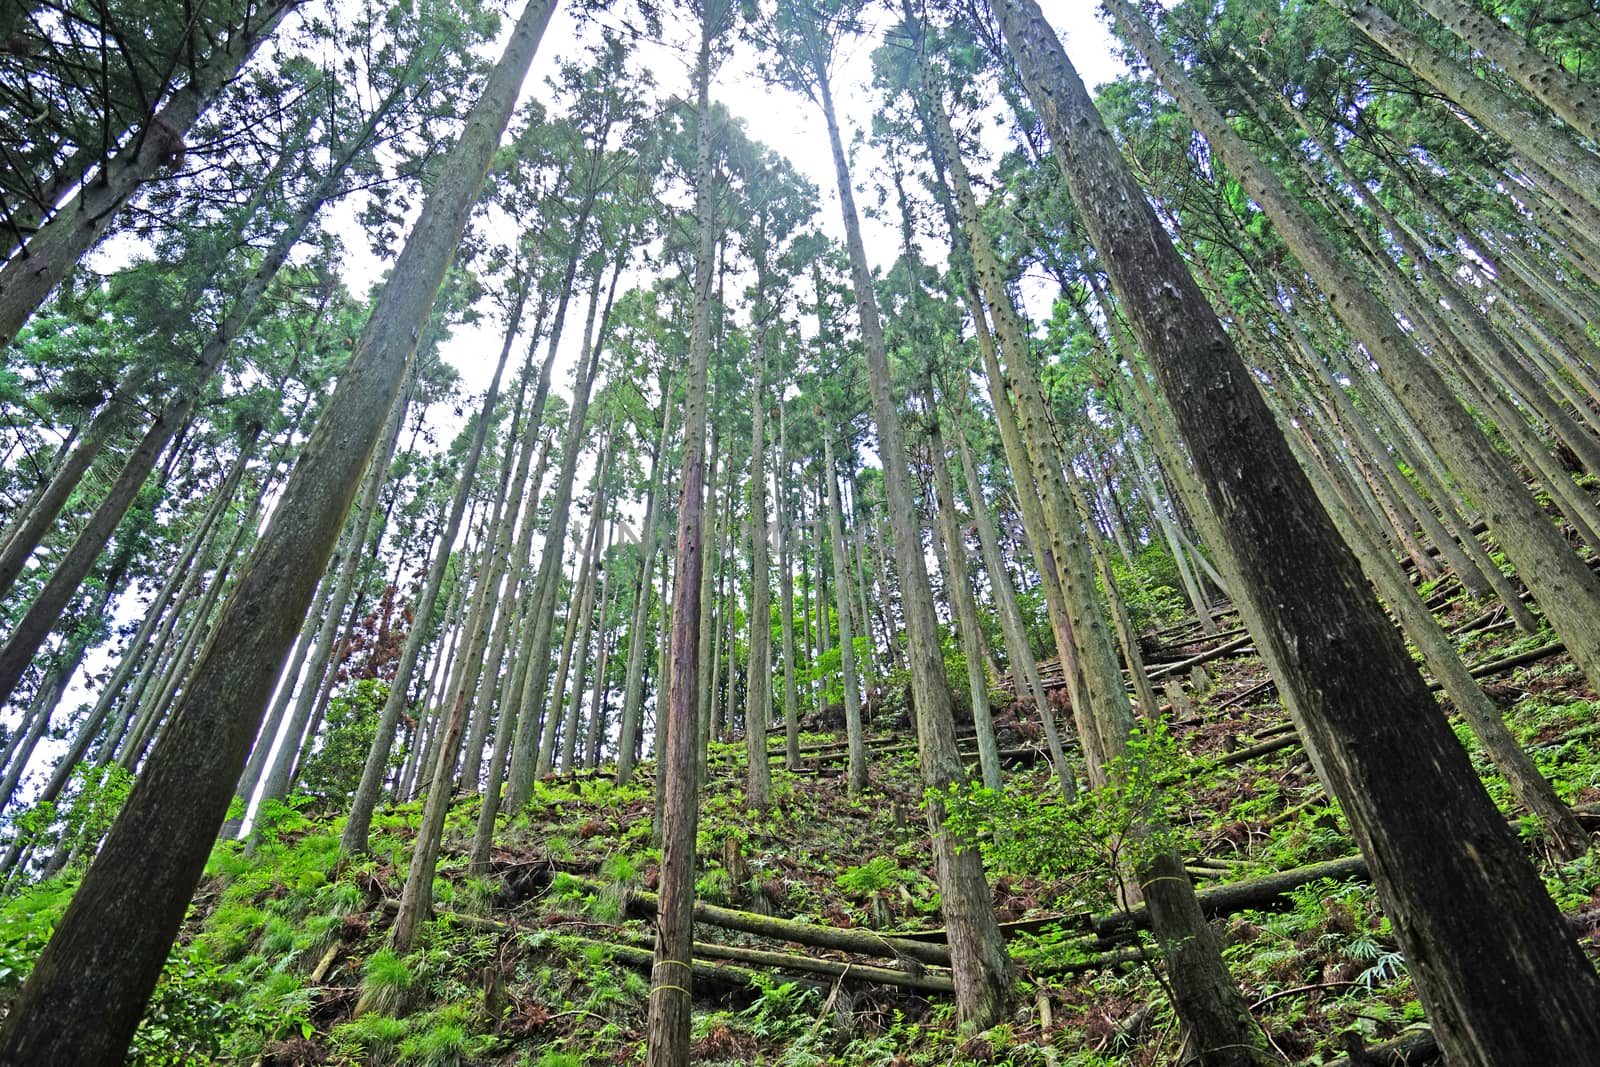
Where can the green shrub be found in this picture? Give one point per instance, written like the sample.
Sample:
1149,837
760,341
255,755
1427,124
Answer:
385,981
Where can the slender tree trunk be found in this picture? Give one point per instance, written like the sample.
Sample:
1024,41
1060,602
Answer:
791,668
951,552
1024,668
633,686
857,767
980,968
758,691
672,977
358,822
580,624
531,754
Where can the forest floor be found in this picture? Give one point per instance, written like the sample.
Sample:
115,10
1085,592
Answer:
545,961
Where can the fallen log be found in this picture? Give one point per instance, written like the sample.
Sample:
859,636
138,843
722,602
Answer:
920,981
1266,748
860,942
1263,892
1246,694
1237,644
1533,655
721,974
1412,1049
1007,930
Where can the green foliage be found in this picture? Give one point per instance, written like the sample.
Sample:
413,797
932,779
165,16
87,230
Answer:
26,923
333,771
191,1016
439,1041
97,796
877,874
1120,826
1149,588
371,1039
782,1011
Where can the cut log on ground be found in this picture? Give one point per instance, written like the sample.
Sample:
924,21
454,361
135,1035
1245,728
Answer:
860,942
724,975
1263,892
1238,644
1413,1049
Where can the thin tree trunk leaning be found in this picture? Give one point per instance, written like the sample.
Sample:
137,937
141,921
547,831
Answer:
345,560
791,700
979,965
89,986
1018,652
532,754
53,685
758,690
23,535
276,784
672,973
416,899
847,650
198,545
29,276
365,799
580,626
951,555
633,685
511,702
1496,969
518,443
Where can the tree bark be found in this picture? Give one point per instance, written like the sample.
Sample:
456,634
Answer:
672,974
979,965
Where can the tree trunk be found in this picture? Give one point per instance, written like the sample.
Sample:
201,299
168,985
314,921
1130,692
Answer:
758,691
857,774
528,750
633,684
791,668
979,965
951,552
672,977
358,822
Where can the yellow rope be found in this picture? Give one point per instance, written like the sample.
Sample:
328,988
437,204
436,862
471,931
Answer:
656,989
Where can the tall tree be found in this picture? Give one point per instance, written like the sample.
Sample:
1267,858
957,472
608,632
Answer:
672,977
88,990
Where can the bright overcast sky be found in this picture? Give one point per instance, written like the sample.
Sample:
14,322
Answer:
790,125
